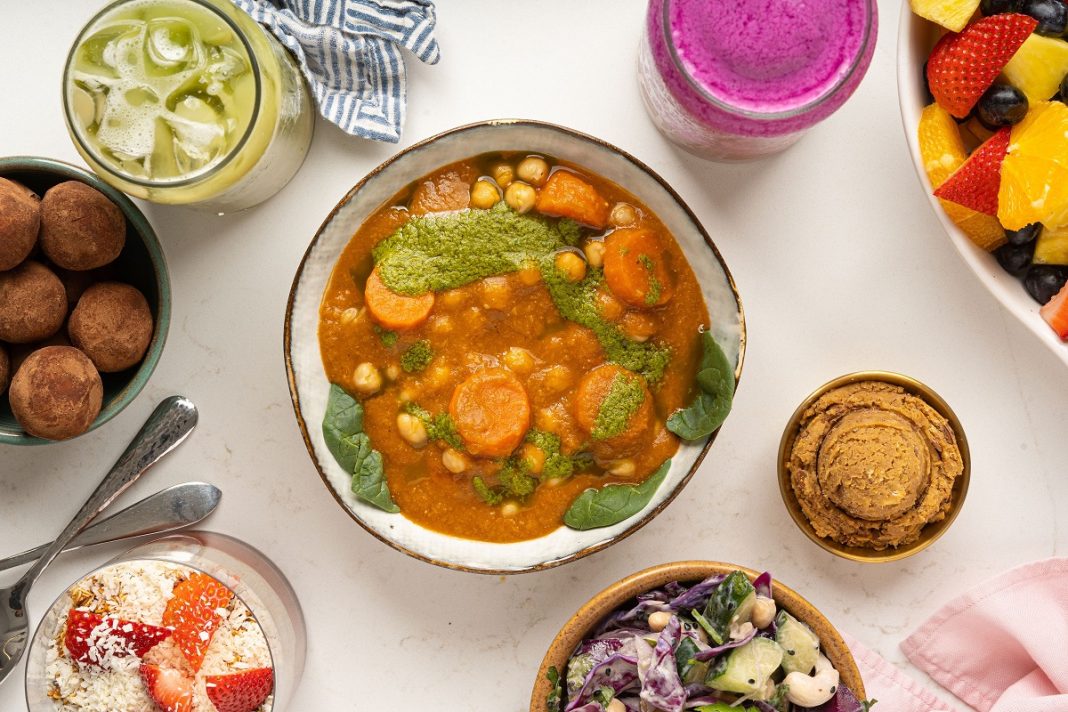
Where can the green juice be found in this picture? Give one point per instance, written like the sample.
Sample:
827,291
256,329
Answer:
186,101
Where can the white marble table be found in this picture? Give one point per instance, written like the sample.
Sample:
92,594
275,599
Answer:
841,266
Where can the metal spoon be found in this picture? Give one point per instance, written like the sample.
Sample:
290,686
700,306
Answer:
173,508
169,425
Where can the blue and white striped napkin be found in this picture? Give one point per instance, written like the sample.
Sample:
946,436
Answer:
350,53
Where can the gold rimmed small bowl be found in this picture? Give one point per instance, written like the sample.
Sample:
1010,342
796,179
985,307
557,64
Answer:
587,618
932,531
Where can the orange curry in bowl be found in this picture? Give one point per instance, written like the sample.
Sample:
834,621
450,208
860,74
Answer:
515,345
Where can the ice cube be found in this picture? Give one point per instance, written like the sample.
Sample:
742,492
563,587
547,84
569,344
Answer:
173,46
196,143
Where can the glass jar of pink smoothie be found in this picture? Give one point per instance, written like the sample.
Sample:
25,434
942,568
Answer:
736,80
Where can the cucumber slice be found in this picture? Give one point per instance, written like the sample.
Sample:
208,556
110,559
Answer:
800,645
724,603
744,612
746,669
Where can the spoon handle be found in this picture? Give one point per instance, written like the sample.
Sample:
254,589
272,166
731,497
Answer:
170,424
173,508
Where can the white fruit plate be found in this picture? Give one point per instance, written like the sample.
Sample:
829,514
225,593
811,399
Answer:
916,37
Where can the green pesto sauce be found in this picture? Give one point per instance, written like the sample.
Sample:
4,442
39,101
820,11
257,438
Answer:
624,397
444,251
388,338
417,357
653,295
438,427
516,481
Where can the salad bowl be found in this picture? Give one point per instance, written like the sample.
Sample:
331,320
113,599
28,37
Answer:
916,37
309,385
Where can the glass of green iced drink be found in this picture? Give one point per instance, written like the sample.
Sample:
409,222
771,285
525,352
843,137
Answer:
186,102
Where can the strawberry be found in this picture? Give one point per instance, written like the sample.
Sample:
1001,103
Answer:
1055,312
976,184
171,690
192,615
241,691
963,66
92,639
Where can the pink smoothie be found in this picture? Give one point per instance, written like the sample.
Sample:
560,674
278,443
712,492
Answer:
752,68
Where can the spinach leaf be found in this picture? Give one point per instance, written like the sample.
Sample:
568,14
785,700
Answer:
369,483
715,377
554,701
350,446
724,602
611,504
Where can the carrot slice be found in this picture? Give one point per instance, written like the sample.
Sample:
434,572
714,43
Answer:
635,269
566,195
589,403
392,310
491,411
448,189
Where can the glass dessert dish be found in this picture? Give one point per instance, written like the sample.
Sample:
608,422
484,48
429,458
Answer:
744,80
194,622
186,102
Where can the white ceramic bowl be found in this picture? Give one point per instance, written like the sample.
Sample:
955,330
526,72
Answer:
309,386
915,39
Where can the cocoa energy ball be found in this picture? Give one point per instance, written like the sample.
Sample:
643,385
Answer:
113,325
5,369
56,393
33,303
80,228
20,220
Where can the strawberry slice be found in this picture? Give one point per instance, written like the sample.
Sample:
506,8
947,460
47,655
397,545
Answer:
170,689
241,691
192,615
1055,312
94,640
975,184
963,66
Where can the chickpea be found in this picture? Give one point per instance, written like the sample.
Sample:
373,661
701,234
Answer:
350,315
622,468
623,215
547,419
519,360
558,378
393,372
503,173
615,706
510,509
484,195
595,252
452,298
530,275
533,457
520,197
533,169
366,379
638,327
659,620
407,395
412,430
454,461
438,376
571,266
496,294
608,306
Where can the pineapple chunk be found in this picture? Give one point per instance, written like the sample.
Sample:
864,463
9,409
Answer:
1052,247
1038,67
951,14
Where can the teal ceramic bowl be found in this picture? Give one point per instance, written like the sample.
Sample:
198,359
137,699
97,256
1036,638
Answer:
140,264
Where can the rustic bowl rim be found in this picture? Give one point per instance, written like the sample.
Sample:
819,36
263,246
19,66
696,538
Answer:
931,532
137,220
596,608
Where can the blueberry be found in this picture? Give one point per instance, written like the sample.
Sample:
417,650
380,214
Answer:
1001,105
1025,235
1043,282
1015,259
996,7
1052,16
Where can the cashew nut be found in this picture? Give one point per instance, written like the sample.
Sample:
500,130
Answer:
616,706
740,630
812,691
763,612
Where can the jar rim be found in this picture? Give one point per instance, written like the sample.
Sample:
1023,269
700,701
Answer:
107,165
870,17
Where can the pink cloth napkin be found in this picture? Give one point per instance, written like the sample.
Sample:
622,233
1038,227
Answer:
894,691
1003,646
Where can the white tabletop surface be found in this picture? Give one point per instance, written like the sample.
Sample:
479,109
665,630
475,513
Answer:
841,266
